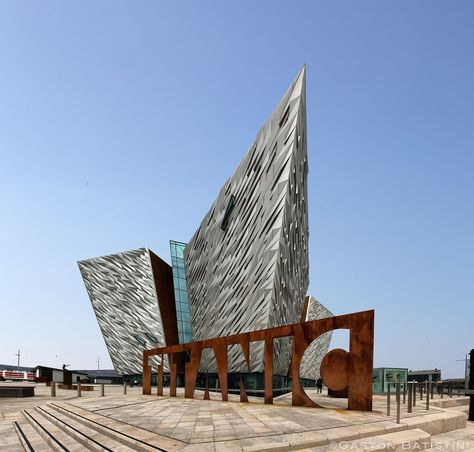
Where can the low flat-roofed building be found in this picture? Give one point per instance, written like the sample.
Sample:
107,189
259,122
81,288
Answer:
424,375
105,376
45,374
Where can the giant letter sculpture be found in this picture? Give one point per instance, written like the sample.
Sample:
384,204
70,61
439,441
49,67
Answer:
340,369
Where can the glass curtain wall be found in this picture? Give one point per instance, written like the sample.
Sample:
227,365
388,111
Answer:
181,292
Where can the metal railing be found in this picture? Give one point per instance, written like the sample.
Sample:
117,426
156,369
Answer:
79,387
412,390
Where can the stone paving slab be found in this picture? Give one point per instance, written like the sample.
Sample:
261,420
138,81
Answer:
213,423
8,438
193,420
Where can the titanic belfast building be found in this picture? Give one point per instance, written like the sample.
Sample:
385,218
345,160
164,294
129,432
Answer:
246,267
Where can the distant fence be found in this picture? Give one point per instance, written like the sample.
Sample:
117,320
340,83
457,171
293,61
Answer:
17,375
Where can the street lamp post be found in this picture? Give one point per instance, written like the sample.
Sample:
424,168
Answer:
18,367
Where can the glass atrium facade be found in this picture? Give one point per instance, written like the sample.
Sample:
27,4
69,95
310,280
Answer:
181,292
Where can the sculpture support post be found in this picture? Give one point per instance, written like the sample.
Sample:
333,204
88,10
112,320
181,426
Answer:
220,351
268,363
191,370
173,374
243,394
146,388
159,379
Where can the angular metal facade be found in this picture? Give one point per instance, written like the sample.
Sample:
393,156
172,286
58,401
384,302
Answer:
132,297
247,264
314,354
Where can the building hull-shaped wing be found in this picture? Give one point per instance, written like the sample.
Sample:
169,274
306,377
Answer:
247,265
132,297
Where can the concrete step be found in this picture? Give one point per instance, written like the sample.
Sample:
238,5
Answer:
55,437
88,437
48,428
29,438
451,402
9,441
133,437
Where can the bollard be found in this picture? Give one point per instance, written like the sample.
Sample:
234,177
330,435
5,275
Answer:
470,387
427,395
53,389
124,387
398,402
388,399
79,390
414,393
410,396
102,390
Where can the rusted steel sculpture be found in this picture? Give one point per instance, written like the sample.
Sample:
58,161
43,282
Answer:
339,369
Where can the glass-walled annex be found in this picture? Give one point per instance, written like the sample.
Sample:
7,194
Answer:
181,292
383,376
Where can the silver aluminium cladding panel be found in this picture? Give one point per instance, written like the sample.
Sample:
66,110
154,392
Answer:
122,292
247,264
314,354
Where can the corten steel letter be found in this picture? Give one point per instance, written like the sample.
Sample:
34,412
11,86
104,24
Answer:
146,375
354,367
300,344
245,344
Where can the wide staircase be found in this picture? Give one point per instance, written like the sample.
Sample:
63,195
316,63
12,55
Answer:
63,427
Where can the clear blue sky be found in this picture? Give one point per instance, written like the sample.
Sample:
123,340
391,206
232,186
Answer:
120,121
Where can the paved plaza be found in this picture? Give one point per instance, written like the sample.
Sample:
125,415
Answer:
197,424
